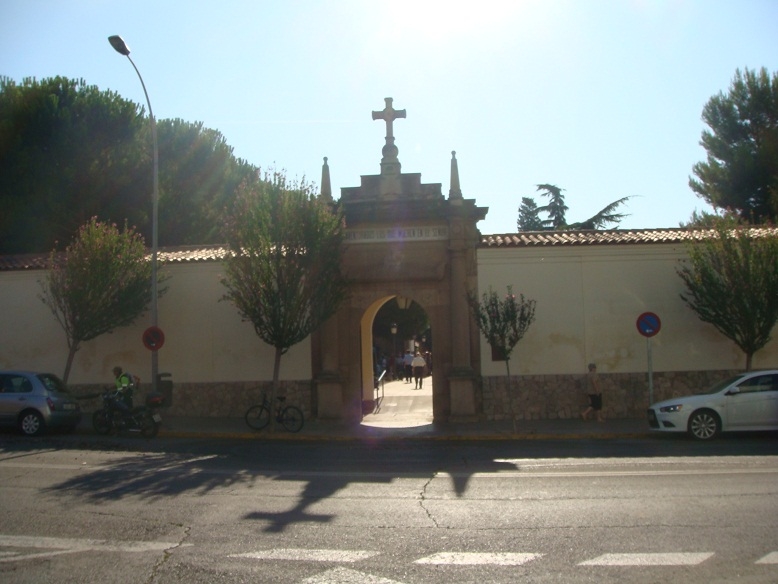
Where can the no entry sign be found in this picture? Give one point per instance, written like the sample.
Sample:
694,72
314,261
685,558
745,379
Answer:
648,324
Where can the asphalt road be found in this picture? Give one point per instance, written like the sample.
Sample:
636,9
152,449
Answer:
78,509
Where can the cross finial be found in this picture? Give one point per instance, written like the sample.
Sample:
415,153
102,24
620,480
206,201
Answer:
389,114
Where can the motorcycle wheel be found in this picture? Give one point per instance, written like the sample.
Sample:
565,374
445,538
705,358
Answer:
148,427
101,422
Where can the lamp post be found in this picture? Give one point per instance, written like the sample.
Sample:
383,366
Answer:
393,328
121,47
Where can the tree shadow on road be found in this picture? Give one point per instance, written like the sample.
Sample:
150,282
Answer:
157,476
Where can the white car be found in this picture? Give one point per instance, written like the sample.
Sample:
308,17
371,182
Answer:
748,401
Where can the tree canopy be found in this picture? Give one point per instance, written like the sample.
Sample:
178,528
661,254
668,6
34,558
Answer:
69,152
503,322
732,283
529,216
283,272
740,173
529,213
101,282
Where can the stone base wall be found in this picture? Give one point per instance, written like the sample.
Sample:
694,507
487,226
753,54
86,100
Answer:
533,397
625,395
226,399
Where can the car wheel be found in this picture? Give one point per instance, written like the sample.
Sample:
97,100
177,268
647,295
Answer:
31,423
704,425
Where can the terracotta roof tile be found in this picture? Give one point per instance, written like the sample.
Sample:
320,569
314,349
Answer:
167,255
610,237
213,253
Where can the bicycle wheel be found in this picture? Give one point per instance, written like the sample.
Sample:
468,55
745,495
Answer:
292,418
257,417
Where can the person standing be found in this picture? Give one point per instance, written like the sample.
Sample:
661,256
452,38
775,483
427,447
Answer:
418,365
594,392
407,360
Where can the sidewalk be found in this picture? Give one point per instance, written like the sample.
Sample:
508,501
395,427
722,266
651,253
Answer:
403,413
319,430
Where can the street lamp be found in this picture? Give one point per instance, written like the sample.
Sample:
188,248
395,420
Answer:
121,47
393,329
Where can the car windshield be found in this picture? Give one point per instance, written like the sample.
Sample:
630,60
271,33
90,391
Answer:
53,383
722,384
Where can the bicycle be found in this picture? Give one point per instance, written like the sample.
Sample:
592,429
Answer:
290,417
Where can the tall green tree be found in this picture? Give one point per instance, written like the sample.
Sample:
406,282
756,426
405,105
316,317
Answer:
556,207
740,173
283,273
529,216
199,175
101,282
732,283
557,212
503,323
69,151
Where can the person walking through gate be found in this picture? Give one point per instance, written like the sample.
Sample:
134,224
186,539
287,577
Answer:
595,394
418,365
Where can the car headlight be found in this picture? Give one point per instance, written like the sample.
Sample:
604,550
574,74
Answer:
671,409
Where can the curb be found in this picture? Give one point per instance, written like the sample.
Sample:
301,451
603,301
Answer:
286,437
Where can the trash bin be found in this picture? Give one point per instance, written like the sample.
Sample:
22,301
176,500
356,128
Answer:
165,387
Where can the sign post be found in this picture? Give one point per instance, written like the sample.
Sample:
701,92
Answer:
648,325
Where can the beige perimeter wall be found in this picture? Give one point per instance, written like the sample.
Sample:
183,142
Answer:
588,302
205,339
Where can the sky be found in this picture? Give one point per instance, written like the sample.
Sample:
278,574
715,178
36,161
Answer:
602,98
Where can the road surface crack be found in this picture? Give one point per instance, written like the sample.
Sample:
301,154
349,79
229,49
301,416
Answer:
168,553
423,501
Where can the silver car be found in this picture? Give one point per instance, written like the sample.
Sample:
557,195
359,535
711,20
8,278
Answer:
748,401
34,402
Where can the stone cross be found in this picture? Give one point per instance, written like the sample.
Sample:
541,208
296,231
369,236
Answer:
389,114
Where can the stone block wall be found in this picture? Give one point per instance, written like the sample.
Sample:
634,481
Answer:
228,399
625,395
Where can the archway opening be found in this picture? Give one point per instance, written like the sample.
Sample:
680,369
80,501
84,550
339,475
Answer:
398,330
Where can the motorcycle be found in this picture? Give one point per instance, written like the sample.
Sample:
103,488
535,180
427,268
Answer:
117,414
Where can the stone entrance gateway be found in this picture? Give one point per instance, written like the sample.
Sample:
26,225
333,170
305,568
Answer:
404,239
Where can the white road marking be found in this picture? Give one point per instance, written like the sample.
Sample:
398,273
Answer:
306,555
346,576
649,559
478,559
771,558
61,545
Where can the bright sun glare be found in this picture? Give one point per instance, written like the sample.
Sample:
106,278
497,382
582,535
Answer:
436,21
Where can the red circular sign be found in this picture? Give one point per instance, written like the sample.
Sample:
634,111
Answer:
153,338
648,324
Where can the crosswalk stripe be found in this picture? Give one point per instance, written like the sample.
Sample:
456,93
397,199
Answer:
649,559
477,559
346,576
306,555
771,558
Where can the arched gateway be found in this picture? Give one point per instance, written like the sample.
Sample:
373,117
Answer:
405,239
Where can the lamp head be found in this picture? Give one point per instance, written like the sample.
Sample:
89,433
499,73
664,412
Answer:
119,45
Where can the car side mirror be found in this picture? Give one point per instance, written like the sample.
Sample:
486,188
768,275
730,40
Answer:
733,391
